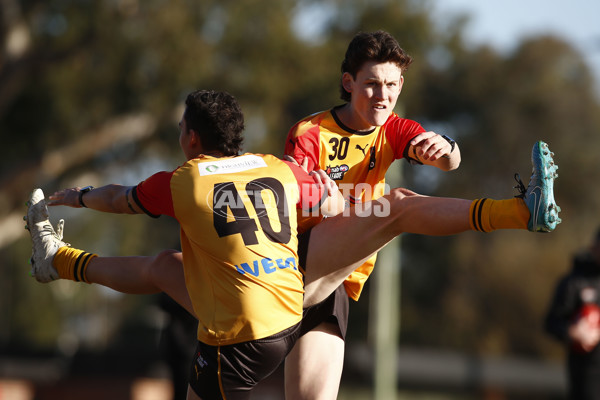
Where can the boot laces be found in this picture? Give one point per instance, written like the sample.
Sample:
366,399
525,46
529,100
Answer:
520,186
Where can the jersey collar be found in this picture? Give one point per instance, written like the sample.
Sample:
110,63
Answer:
346,128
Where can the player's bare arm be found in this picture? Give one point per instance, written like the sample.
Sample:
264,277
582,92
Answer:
432,149
115,199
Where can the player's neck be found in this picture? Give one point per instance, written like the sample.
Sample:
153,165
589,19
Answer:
347,117
210,153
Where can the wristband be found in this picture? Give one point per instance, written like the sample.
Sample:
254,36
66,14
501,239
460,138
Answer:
451,141
82,192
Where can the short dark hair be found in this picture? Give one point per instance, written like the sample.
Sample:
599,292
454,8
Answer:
217,117
377,46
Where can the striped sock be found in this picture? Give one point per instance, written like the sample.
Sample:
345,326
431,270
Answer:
488,215
72,263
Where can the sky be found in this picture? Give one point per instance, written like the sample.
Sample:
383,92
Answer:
504,23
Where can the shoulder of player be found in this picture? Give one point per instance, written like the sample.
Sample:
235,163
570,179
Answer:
309,124
274,161
396,121
397,126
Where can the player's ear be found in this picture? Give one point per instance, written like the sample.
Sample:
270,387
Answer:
347,81
195,142
194,138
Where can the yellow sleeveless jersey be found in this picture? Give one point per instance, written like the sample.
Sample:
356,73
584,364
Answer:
357,161
239,241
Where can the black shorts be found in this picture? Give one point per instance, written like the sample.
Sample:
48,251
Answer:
231,372
334,309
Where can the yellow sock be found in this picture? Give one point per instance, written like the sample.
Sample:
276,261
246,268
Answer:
72,263
488,215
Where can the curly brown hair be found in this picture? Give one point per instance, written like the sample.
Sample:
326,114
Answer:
217,117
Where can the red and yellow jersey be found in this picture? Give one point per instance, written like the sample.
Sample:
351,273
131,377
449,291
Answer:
357,161
239,241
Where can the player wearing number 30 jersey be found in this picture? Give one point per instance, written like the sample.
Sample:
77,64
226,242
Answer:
357,161
244,273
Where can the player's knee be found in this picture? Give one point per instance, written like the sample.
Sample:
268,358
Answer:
398,198
400,194
164,259
167,254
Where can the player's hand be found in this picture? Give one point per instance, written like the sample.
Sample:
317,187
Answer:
334,203
66,197
322,179
430,146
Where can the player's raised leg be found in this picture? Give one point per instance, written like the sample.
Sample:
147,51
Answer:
368,228
143,275
53,259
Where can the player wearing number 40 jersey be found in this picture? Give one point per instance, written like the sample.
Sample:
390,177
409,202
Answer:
239,244
249,259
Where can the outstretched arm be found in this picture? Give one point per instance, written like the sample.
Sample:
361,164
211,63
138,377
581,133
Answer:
115,199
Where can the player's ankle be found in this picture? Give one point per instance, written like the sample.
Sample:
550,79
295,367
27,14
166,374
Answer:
72,263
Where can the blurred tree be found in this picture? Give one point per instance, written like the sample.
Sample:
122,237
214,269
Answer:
491,290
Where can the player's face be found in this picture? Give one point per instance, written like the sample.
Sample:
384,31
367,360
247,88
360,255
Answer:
374,93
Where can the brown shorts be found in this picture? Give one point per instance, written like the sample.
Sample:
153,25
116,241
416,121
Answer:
334,309
231,372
